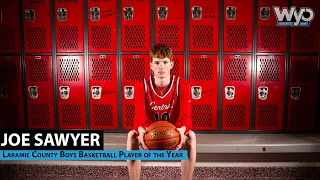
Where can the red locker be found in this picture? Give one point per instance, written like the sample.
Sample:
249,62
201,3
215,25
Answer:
178,67
103,92
69,26
269,92
238,25
134,69
204,25
102,26
271,38
170,23
236,90
204,91
71,89
40,92
9,27
37,26
310,41
11,97
135,19
303,89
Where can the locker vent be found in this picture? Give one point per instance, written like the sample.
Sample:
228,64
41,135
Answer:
270,0
175,69
267,116
40,115
36,38
102,69
301,116
202,36
134,69
169,35
269,70
130,114
8,70
68,37
102,115
68,1
71,115
237,36
309,40
5,1
235,115
101,0
101,37
37,70
270,37
69,69
302,70
202,69
134,36
36,1
236,69
10,115
202,115
237,0
7,39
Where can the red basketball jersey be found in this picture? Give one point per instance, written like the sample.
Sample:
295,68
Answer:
173,106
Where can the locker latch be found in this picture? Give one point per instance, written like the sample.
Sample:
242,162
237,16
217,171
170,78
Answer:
263,92
0,15
33,92
229,92
162,12
62,14
29,15
128,13
196,92
3,92
129,92
96,92
264,13
95,14
196,12
295,93
231,13
64,92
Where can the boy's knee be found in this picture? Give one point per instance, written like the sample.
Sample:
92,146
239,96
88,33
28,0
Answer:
192,136
131,134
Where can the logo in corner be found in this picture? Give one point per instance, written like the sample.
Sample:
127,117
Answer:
294,17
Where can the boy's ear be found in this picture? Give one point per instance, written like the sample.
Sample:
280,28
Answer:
172,64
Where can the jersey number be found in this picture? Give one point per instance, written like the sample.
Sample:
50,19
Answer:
165,117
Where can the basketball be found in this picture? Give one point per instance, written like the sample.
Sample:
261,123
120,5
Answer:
162,135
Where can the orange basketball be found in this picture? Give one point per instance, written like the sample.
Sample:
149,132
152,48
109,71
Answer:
162,135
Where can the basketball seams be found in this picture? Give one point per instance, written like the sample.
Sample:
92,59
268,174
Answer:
159,127
162,139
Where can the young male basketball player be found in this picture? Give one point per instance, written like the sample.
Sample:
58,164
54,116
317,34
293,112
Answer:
163,97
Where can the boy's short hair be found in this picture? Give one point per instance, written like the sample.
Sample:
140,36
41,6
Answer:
160,51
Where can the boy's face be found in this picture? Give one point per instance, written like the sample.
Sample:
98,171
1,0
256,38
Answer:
161,67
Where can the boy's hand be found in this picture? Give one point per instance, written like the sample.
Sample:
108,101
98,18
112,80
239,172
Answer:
142,132
181,131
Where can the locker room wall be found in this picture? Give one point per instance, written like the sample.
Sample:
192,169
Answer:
72,64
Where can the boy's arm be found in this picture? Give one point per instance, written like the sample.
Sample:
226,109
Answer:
140,118
185,118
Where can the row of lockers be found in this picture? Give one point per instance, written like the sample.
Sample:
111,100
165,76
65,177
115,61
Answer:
170,24
203,77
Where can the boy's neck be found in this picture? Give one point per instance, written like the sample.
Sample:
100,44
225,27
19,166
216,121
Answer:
162,82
